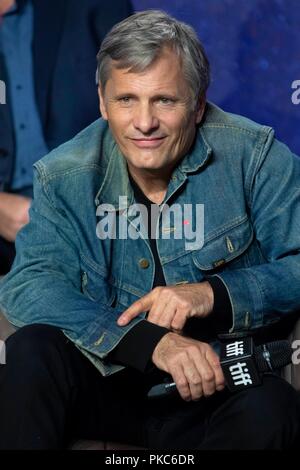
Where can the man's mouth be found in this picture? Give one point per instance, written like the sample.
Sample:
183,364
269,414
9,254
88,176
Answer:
148,142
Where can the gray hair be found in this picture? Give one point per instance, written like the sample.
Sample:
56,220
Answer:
136,42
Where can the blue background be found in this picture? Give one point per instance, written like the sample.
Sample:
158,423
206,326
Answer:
254,50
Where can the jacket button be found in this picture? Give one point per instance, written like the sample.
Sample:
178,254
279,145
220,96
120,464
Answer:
144,263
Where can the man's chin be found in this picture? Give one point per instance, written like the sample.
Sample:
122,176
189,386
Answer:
147,162
149,166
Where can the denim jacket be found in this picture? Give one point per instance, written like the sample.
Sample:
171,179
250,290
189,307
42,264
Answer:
65,275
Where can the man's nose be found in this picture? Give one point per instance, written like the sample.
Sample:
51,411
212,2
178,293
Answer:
145,119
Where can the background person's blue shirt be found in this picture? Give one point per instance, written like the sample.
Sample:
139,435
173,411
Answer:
16,34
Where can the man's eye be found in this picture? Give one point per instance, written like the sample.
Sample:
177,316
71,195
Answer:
125,99
164,100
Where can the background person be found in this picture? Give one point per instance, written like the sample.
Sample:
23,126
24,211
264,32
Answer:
51,93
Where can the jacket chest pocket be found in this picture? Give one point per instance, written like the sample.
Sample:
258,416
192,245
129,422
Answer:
96,283
226,250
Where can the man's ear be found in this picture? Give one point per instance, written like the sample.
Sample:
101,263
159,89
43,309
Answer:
200,108
102,103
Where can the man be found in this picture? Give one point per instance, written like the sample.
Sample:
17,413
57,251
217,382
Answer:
43,82
100,283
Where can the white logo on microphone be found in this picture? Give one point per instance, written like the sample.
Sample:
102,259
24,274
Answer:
239,374
235,349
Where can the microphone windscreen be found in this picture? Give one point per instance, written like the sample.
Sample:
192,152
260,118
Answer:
272,356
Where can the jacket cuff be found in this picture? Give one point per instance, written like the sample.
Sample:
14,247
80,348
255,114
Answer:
245,298
137,346
221,314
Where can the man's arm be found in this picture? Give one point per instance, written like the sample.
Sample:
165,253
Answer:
193,365
145,336
263,294
45,284
136,348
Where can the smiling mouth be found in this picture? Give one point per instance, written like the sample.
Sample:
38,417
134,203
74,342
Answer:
151,142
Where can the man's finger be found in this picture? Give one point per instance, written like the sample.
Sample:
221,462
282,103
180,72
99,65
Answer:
194,380
156,312
142,305
178,321
214,362
182,383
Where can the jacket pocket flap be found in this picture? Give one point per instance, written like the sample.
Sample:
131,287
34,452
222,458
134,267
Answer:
225,247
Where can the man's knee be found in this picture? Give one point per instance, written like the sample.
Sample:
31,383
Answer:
29,346
272,413
273,399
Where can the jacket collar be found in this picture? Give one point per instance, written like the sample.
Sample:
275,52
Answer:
115,182
197,156
116,189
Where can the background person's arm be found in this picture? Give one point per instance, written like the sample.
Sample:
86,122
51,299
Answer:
13,214
5,5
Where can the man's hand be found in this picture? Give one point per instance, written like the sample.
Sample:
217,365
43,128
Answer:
194,365
171,306
13,214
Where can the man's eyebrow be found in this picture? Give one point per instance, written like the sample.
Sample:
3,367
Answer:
123,94
157,96
168,95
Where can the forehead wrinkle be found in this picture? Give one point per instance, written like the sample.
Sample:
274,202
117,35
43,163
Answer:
122,80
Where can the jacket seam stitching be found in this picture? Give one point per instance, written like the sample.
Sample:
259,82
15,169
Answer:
239,129
259,151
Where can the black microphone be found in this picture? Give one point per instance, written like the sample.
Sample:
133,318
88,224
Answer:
242,364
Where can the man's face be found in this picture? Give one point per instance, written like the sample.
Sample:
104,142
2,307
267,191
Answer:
151,114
